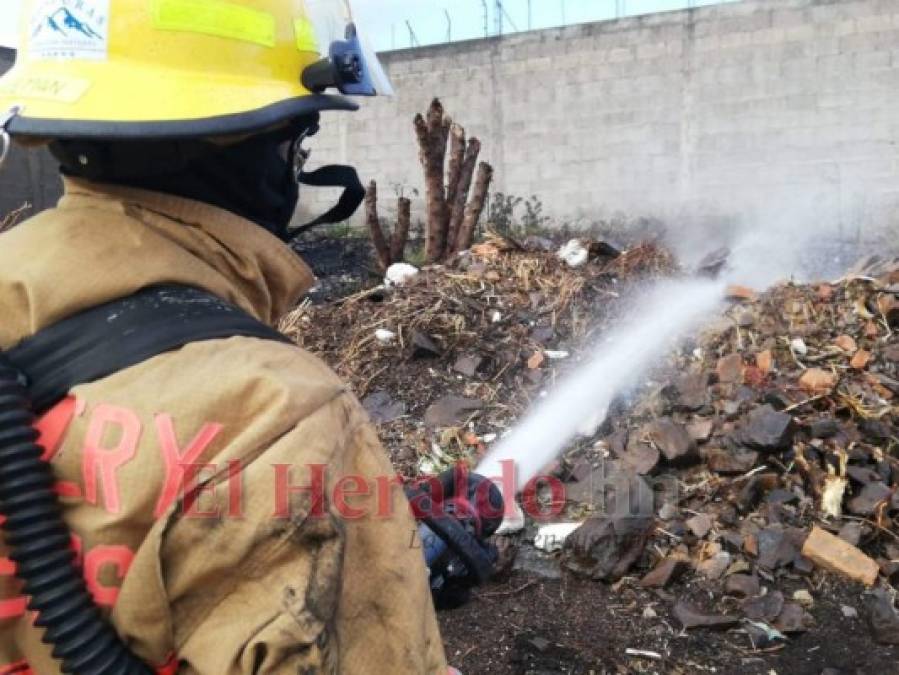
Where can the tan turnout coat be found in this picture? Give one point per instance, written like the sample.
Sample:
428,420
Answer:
229,582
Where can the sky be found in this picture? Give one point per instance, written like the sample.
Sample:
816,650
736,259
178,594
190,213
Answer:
385,20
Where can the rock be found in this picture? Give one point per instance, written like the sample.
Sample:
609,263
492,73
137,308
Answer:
730,369
726,462
673,441
764,607
700,525
875,431
882,618
606,547
468,364
851,533
742,585
824,428
691,393
862,474
714,567
835,555
641,458
815,381
767,430
776,547
793,619
450,411
666,572
382,408
701,430
423,346
869,498
691,617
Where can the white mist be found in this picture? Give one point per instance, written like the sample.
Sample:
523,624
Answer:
660,317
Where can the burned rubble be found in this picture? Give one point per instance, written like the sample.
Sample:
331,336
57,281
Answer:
768,443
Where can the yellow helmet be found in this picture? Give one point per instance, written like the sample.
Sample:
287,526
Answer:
145,69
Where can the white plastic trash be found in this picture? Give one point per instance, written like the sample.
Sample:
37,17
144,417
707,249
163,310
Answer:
385,336
551,538
399,273
574,253
512,523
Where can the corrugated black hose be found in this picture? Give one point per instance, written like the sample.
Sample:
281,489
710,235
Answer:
39,543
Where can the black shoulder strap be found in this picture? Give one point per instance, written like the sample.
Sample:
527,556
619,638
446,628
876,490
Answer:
111,337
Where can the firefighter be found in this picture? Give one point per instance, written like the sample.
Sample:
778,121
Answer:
231,508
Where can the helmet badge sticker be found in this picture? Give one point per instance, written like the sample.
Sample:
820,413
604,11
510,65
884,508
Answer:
69,29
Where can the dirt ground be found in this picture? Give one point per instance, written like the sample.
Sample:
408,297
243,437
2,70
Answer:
527,625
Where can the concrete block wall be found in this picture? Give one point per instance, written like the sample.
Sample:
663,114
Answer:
777,108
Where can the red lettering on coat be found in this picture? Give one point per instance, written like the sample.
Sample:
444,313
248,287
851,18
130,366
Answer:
175,459
96,559
16,668
52,428
100,464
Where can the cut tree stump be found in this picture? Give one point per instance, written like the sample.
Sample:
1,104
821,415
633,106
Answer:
456,157
475,207
466,174
387,253
433,132
401,231
378,240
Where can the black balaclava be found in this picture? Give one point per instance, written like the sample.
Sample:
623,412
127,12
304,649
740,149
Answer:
254,178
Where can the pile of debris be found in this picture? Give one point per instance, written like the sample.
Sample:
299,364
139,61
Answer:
763,453
769,449
478,341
